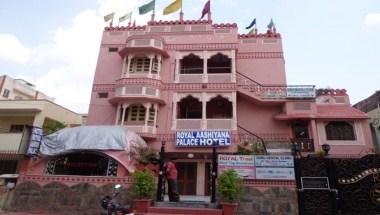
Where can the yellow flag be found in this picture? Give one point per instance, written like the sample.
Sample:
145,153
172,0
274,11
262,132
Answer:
109,17
173,7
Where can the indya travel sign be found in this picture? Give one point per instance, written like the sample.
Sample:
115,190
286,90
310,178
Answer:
203,138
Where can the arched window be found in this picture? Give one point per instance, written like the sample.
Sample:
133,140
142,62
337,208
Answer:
134,113
339,130
191,64
219,63
139,64
219,108
189,108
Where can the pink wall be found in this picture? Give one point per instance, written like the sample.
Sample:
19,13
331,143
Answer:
259,119
260,58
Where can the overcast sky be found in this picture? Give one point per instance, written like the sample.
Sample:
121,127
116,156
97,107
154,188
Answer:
54,44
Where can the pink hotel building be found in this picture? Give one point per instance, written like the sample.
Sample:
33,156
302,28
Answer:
168,77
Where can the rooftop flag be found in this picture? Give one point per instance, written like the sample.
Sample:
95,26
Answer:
271,24
252,31
125,17
206,9
147,7
252,24
173,7
109,17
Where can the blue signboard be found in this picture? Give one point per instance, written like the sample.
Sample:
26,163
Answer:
203,138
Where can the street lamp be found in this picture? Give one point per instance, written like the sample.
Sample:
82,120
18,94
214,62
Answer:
326,148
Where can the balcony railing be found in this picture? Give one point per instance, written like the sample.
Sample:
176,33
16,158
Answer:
304,144
204,124
10,142
206,78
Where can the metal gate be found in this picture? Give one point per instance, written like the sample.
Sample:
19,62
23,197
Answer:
338,186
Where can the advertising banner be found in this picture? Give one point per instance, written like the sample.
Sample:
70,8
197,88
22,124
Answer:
34,141
244,165
203,138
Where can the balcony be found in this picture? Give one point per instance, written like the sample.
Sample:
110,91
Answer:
141,90
141,128
144,44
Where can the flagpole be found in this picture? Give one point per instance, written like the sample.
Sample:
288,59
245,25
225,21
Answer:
154,11
209,13
181,13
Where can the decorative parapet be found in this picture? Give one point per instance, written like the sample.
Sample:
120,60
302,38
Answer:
72,179
224,25
179,22
268,34
202,46
125,28
260,55
331,92
103,88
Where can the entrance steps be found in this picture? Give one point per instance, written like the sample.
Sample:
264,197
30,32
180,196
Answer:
182,208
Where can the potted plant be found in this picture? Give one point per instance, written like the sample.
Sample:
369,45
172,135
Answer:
143,188
230,188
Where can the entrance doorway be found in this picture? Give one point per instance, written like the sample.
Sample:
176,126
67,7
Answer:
187,178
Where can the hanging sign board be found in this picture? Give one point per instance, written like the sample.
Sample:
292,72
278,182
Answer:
203,138
244,165
34,141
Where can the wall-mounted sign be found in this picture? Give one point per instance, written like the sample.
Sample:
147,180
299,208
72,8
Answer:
203,138
274,167
300,92
244,165
271,173
315,183
274,161
259,166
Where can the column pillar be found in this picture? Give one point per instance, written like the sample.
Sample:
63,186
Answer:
204,111
314,134
123,71
150,64
159,67
39,119
124,106
174,114
117,114
233,66
177,64
147,106
155,118
128,65
205,76
234,111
